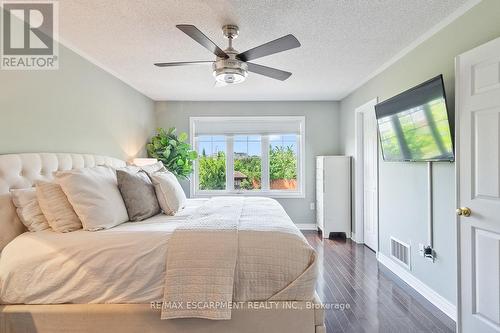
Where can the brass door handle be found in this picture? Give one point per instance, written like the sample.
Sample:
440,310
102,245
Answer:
464,211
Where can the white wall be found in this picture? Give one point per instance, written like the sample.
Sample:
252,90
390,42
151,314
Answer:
403,186
78,108
322,134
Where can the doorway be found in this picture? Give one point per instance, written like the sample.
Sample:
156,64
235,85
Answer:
366,176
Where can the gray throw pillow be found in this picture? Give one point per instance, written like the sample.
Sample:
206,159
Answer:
138,194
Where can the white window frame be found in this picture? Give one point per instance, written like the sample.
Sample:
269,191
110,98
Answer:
265,191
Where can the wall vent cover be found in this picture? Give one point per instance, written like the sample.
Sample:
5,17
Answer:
400,252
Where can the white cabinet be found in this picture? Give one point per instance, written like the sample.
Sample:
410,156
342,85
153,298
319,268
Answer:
333,195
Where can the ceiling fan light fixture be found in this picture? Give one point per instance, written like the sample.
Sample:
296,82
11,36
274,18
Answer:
230,78
230,71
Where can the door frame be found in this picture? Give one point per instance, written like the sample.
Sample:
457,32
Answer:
358,235
458,105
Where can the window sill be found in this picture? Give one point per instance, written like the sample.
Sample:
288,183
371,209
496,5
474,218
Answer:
267,194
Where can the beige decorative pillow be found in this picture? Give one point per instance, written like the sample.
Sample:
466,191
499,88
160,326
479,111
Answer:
56,207
169,192
94,194
28,210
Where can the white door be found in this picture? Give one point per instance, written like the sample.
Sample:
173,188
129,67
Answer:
367,177
478,157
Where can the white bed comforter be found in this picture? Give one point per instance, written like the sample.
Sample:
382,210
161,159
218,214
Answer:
127,264
124,264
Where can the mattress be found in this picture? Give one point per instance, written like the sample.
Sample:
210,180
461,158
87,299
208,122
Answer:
125,264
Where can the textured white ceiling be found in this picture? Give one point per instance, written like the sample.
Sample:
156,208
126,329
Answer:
343,41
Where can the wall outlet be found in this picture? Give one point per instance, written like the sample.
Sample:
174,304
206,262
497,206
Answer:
427,252
312,206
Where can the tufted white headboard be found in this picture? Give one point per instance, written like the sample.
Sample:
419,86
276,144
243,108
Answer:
23,170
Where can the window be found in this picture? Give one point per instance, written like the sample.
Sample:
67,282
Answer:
247,162
248,156
283,162
212,160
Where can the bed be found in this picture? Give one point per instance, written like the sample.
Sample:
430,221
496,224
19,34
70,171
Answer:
114,284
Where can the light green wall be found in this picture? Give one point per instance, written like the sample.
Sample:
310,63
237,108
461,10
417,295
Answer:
78,108
322,138
403,186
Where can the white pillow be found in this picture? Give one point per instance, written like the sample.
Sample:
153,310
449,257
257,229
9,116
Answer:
155,167
169,192
94,194
28,210
56,207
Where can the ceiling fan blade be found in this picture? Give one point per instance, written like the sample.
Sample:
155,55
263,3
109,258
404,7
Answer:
182,63
198,36
278,45
268,71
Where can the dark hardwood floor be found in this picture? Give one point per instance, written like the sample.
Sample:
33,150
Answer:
368,297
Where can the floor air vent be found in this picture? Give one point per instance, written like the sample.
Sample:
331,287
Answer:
400,252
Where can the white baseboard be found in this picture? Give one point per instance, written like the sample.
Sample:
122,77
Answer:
439,301
306,226
355,239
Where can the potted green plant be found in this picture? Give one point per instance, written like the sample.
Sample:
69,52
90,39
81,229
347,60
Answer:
173,151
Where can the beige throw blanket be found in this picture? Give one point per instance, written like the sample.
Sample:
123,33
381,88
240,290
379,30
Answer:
201,259
236,249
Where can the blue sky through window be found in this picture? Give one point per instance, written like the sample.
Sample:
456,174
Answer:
211,144
244,144
249,145
286,140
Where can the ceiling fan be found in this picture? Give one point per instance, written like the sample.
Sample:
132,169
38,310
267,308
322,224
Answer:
231,67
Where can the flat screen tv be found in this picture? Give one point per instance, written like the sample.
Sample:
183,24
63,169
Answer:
414,125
